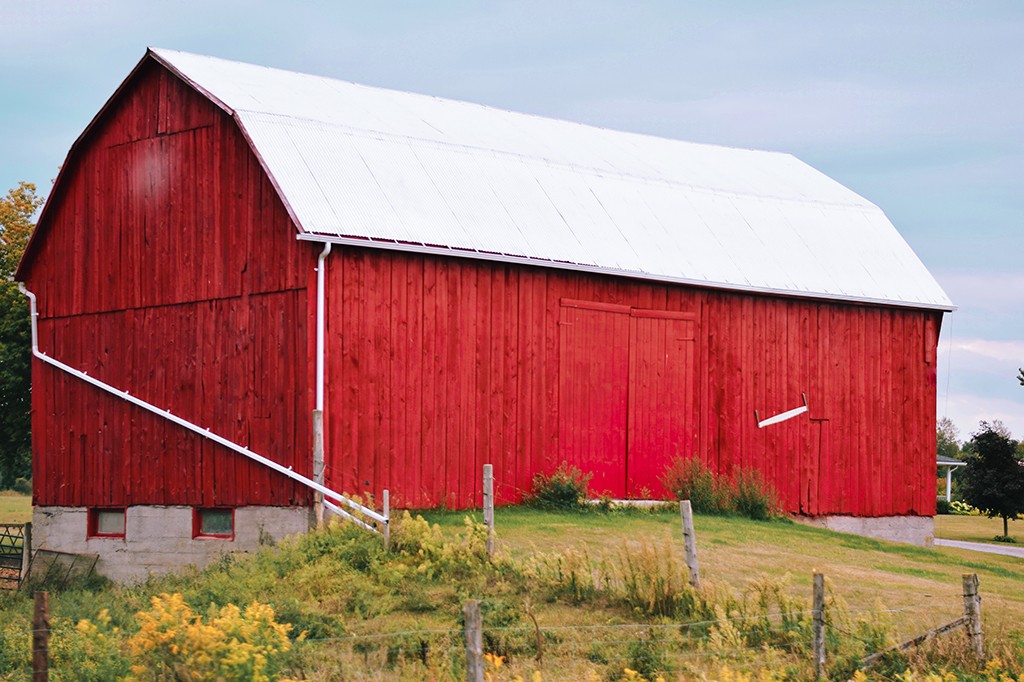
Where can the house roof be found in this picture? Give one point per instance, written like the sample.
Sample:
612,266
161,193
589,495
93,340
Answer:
396,170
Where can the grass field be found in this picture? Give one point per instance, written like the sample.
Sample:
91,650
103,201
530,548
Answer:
15,507
975,528
342,586
736,550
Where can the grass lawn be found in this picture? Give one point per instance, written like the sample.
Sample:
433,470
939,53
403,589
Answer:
15,507
331,587
924,583
975,528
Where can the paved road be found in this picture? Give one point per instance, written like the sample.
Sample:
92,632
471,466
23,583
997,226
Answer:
982,547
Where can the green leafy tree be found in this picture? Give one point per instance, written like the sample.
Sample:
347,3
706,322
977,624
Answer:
16,212
993,480
947,438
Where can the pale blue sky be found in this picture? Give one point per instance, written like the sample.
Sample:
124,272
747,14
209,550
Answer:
917,106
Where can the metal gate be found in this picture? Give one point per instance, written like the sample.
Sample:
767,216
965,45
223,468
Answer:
15,548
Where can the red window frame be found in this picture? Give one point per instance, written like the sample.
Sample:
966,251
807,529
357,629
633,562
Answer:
93,524
197,523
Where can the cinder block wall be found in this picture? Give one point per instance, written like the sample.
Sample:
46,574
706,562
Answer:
159,539
912,530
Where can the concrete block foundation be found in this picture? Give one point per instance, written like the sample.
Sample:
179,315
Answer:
912,530
159,539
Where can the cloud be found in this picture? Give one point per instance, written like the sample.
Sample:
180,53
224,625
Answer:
966,410
1008,351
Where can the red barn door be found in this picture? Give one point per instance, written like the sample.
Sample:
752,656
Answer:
626,394
661,380
593,384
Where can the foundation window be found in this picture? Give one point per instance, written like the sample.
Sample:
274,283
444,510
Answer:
213,523
106,523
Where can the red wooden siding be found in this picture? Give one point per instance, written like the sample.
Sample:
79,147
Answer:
437,366
169,269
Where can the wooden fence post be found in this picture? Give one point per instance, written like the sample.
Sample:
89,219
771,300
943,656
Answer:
489,508
972,612
387,520
26,551
474,641
318,465
818,646
41,638
690,543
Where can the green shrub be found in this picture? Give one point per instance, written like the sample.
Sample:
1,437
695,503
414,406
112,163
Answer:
958,508
942,507
646,656
753,496
565,489
748,493
691,479
23,486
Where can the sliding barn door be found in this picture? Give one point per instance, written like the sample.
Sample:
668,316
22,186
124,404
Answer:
626,394
593,392
662,422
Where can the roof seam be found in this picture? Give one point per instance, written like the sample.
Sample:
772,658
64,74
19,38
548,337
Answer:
470,150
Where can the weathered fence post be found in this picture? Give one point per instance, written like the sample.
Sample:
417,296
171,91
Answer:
972,612
489,508
41,638
474,641
818,646
318,465
690,543
387,520
26,551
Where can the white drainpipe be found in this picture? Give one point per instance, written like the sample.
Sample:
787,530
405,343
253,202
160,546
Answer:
321,269
318,411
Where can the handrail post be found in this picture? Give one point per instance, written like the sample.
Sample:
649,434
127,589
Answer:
318,465
387,520
489,508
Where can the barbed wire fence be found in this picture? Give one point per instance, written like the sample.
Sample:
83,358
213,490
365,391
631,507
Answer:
571,652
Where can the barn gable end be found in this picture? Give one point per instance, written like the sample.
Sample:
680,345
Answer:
166,264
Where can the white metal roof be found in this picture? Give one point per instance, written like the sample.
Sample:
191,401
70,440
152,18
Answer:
357,164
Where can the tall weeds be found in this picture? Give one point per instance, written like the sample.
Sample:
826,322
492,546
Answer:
747,493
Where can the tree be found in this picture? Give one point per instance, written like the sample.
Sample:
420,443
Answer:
1020,377
16,212
993,480
947,438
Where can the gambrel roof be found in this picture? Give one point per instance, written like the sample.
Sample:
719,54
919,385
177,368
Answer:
364,165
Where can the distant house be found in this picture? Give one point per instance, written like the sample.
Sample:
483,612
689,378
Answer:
502,288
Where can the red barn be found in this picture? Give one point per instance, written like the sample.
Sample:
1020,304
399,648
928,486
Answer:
502,288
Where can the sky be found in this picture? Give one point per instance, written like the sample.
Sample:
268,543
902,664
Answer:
917,106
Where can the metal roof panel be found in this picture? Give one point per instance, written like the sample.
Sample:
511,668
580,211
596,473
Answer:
353,161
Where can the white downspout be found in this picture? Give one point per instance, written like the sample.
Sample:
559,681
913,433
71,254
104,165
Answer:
318,411
321,270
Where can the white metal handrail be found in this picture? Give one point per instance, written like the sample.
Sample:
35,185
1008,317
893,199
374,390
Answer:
206,433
